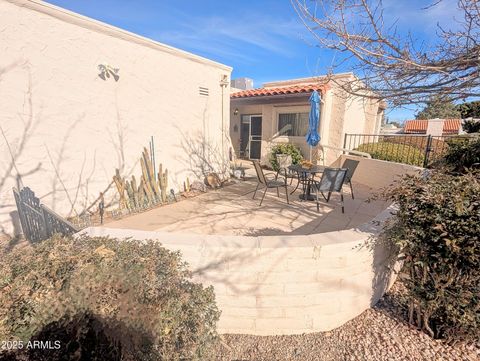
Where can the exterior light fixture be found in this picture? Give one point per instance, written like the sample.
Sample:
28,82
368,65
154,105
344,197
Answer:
235,112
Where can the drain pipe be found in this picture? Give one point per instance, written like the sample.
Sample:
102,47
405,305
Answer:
223,84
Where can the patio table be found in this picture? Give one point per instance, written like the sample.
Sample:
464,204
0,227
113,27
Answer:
305,175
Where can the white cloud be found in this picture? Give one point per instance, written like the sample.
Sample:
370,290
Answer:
228,36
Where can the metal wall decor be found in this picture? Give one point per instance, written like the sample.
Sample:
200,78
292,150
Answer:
106,71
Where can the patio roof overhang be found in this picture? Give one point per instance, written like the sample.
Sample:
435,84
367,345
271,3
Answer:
272,99
293,94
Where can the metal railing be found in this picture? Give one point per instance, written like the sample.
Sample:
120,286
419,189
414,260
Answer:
415,149
38,221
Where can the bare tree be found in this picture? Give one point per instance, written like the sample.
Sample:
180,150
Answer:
394,66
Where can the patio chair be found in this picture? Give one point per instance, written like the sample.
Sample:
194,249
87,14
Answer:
332,181
268,183
284,161
351,165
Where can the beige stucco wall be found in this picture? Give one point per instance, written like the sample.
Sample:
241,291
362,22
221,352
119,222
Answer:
277,285
57,113
378,174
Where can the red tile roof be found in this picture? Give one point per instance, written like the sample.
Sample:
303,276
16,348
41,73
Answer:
294,89
415,126
450,126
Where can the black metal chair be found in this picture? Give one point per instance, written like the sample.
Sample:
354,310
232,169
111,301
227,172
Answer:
351,166
332,181
284,161
268,183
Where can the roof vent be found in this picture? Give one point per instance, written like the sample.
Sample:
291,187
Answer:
203,91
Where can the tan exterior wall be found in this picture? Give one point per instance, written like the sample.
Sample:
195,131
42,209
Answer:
361,116
336,122
66,125
277,285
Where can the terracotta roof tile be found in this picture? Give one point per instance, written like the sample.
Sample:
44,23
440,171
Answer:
416,126
294,89
450,126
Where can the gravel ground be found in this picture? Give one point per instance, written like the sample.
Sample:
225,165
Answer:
380,333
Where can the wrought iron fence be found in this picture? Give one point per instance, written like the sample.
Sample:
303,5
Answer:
416,149
38,221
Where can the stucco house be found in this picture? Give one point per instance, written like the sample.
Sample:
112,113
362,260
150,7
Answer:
80,98
278,113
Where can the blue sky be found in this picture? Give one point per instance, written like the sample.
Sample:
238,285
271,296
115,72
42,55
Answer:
261,39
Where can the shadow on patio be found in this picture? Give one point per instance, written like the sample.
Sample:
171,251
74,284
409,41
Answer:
232,211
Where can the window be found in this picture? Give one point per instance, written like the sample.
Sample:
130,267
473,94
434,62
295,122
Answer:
293,124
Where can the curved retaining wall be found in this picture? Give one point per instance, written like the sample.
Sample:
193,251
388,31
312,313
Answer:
277,285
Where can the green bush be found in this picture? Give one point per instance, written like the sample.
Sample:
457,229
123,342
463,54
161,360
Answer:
471,126
462,154
436,229
393,152
105,299
284,148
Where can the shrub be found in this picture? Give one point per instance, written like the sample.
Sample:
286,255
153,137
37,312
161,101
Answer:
436,228
106,298
462,154
471,126
284,148
393,152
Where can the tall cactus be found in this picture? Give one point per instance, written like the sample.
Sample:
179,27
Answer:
134,187
163,182
121,188
130,193
151,186
147,191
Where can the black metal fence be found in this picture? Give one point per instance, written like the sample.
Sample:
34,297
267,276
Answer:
416,149
38,221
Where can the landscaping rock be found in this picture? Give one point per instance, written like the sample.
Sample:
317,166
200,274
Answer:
198,186
379,334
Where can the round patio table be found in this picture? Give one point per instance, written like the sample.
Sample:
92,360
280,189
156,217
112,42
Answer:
305,176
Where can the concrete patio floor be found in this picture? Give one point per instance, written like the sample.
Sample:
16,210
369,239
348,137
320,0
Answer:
231,210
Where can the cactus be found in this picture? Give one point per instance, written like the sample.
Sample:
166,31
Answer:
188,185
121,187
163,182
134,187
147,191
151,186
131,202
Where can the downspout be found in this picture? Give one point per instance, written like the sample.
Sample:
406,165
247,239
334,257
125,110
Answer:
223,84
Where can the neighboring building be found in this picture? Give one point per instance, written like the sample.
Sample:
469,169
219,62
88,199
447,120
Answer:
278,113
436,127
70,118
389,128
